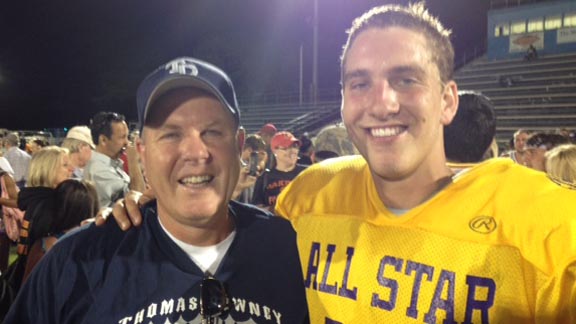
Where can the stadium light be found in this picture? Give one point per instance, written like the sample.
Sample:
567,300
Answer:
315,54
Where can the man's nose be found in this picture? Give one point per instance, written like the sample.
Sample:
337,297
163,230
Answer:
194,148
385,100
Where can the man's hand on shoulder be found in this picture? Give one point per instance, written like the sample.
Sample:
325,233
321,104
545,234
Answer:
126,211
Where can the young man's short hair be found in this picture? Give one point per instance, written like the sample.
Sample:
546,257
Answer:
413,17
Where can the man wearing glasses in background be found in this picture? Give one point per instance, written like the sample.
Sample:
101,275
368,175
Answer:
198,257
285,148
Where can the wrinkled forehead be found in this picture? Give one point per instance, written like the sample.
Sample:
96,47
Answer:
167,102
162,108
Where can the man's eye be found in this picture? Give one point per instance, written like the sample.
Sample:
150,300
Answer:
212,133
171,135
403,82
359,85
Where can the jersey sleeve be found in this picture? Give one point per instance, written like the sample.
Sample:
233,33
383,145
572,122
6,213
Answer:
556,300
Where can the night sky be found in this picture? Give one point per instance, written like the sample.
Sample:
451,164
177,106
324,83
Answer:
61,61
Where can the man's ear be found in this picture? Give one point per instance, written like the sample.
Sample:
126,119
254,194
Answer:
102,139
240,137
141,148
449,102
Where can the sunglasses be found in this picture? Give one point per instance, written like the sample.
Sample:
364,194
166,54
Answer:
214,300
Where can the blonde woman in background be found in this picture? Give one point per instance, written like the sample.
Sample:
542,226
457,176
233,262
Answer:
561,163
49,167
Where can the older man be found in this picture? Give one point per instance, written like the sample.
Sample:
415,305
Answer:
79,142
198,257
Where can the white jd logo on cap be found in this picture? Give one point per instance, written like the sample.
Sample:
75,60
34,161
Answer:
182,66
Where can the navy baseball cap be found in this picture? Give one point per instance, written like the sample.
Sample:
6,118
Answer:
186,72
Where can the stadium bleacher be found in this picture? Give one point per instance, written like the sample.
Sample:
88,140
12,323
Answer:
537,95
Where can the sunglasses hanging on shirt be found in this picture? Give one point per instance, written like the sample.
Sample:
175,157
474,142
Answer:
214,301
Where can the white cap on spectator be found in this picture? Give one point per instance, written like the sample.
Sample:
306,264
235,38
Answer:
81,133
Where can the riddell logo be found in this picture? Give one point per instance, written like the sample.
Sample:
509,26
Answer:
483,224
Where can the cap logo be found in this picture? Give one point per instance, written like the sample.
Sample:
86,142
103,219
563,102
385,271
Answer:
183,67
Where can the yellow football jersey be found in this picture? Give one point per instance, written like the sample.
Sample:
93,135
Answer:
497,245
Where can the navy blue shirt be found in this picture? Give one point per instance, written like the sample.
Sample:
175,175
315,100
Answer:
105,275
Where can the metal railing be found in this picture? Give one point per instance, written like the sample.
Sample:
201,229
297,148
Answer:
498,4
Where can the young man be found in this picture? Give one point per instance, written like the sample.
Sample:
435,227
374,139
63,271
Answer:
392,236
198,257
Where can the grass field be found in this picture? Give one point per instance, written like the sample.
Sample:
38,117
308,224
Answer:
13,254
